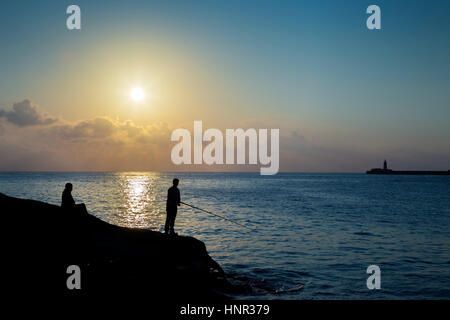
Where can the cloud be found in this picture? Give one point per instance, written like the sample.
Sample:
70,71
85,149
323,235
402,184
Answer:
104,129
24,114
32,140
93,128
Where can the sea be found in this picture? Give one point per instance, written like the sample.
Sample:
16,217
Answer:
306,235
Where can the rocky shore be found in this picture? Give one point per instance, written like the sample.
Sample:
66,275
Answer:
40,241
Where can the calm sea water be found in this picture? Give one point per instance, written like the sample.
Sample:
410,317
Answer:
320,230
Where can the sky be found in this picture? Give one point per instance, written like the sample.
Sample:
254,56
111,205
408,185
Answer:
344,97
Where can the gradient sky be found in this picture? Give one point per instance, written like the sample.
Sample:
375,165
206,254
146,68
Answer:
344,97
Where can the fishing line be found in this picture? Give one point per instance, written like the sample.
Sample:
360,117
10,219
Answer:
217,215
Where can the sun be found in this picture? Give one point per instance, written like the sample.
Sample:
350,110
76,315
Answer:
137,94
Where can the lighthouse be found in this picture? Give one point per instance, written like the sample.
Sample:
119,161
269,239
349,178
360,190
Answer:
385,170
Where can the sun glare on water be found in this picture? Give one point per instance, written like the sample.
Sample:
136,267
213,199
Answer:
137,94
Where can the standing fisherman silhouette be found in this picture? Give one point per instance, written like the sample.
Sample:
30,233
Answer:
173,201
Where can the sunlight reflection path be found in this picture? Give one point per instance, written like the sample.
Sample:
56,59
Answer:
142,209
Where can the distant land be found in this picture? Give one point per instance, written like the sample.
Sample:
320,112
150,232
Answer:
385,170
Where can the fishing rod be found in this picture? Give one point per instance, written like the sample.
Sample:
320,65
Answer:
214,214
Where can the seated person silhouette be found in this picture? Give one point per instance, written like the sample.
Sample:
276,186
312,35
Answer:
68,203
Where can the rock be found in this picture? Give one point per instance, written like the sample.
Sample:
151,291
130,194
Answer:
41,240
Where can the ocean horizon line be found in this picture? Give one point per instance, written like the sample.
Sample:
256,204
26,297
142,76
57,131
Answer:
151,171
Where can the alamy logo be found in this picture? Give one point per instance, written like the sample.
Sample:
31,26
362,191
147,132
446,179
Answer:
213,152
74,280
74,20
374,281
374,20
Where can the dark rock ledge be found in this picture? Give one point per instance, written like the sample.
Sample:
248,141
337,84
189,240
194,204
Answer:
40,241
